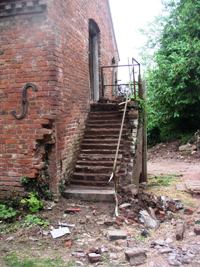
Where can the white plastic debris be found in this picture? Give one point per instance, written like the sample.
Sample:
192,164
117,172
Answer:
148,221
61,231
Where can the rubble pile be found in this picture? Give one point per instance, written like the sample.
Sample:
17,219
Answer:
140,206
176,255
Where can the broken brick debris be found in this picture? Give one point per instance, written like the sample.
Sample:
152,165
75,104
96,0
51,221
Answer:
94,257
72,210
68,243
159,208
78,254
135,256
180,229
117,234
188,211
197,230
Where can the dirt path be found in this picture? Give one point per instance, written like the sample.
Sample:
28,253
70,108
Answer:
166,159
189,170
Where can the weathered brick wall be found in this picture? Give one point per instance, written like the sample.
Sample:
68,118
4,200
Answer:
48,46
70,25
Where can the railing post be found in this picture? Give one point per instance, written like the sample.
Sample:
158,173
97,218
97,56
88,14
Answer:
143,177
102,82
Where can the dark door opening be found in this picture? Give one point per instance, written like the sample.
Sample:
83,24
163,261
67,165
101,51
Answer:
94,60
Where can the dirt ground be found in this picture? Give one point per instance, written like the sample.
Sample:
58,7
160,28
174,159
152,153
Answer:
95,220
167,159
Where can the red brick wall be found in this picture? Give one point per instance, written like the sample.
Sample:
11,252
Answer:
49,49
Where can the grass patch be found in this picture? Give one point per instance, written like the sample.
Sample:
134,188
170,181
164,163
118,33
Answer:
28,221
13,260
162,180
31,220
7,228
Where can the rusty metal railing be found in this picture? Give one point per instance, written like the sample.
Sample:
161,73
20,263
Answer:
113,174
133,84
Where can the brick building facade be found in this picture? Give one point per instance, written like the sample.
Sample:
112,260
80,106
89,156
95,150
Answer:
59,47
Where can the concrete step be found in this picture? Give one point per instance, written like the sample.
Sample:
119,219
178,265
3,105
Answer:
95,177
104,107
95,161
103,136
101,157
104,132
100,151
97,146
93,168
100,141
104,115
90,162
89,183
103,126
95,194
110,121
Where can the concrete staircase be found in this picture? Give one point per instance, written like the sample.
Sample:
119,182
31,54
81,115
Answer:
95,161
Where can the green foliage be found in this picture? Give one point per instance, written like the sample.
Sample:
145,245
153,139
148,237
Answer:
7,213
32,202
40,186
31,220
13,261
173,79
62,186
163,180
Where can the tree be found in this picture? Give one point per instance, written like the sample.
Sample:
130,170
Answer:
173,80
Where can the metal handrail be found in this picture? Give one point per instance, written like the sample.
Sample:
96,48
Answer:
116,157
119,140
133,84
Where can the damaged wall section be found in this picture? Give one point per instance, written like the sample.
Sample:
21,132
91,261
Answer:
46,43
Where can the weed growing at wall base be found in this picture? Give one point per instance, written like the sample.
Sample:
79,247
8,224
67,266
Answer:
41,187
32,202
7,213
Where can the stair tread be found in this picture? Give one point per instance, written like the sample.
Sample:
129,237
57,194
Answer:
104,150
103,124
90,193
88,189
100,140
114,120
93,166
91,174
98,148
95,151
103,129
93,182
99,156
94,163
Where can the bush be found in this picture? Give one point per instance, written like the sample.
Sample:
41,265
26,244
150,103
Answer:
173,82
